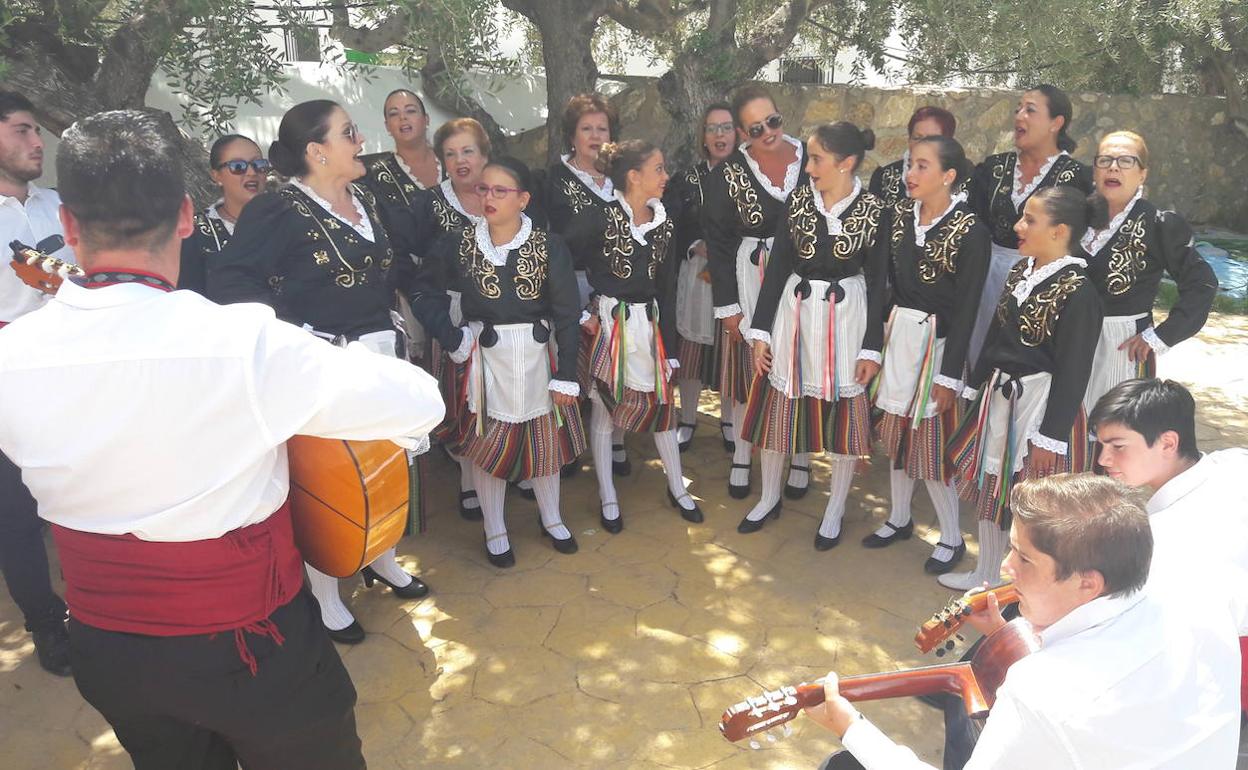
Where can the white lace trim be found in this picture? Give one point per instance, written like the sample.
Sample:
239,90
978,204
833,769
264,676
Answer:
920,231
640,231
1033,278
1044,442
1094,240
1020,192
212,213
1149,335
497,255
947,382
727,311
758,335
850,391
365,226
566,387
585,316
411,175
870,355
605,192
833,215
461,353
448,190
790,174
970,394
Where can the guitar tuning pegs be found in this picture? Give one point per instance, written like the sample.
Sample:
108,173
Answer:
949,645
940,652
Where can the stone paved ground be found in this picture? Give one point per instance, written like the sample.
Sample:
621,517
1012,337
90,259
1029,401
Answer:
625,654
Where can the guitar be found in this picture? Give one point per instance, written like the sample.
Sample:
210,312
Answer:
348,500
976,682
946,623
39,270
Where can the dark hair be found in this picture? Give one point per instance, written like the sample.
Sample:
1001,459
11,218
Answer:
120,174
1069,206
844,139
746,94
588,104
11,102
462,126
1150,407
304,123
944,118
1086,523
712,107
407,91
514,169
218,147
1059,106
616,160
950,155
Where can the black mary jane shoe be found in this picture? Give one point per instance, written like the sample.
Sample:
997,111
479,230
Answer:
501,560
621,467
692,426
526,492
565,545
352,634
739,492
688,514
469,513
729,444
934,566
413,590
797,493
826,543
611,525
749,525
898,533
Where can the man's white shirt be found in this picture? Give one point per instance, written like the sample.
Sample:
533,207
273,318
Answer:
29,223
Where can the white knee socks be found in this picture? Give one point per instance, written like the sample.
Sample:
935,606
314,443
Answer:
842,478
388,567
334,614
546,488
600,434
799,476
739,477
771,468
491,491
945,501
669,453
465,482
993,542
901,490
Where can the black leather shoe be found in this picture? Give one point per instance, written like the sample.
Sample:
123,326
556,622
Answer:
526,492
352,634
52,649
826,543
694,515
566,545
729,444
502,560
797,493
747,525
739,492
413,590
623,467
612,525
898,533
934,566
469,513
692,426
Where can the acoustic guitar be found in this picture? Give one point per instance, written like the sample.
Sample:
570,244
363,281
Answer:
39,270
946,623
348,500
976,682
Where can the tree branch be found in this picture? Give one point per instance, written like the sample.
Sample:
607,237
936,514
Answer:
651,17
129,57
392,30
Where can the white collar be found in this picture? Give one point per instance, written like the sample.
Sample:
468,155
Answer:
497,255
75,295
365,226
604,192
833,215
212,213
1095,240
408,170
639,232
790,174
33,192
1020,193
448,190
1033,278
920,231
1099,611
1179,486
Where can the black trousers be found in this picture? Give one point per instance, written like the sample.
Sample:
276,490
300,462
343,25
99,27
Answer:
190,703
23,559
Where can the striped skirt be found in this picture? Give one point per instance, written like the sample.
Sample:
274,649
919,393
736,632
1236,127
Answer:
635,411
736,371
807,424
702,362
524,450
450,376
919,452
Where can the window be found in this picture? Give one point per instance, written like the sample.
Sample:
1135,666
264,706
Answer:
801,69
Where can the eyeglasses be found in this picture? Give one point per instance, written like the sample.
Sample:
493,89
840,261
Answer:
1124,161
497,192
351,133
718,128
773,122
239,167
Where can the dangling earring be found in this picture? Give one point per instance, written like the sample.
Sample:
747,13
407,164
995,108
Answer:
324,160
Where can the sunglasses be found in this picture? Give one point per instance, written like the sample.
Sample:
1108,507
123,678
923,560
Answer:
718,128
773,122
497,192
239,167
1123,161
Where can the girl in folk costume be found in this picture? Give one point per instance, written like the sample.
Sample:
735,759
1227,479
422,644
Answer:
890,182
818,326
1002,184
744,203
317,251
1126,261
1027,419
397,176
700,337
518,340
939,256
240,170
632,317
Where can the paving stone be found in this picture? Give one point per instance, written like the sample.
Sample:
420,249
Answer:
385,670
545,587
521,675
634,585
590,629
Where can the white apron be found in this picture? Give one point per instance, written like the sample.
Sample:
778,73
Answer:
1003,258
512,376
905,347
695,311
750,276
1111,366
639,341
816,376
1028,414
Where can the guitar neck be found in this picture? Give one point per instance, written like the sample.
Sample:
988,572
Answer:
948,621
953,678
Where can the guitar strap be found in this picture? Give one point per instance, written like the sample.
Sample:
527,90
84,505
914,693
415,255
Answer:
97,279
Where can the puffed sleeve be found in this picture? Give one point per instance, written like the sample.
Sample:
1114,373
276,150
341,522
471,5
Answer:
973,257
1191,273
584,232
565,306
558,209
666,285
780,265
1074,342
719,217
261,240
430,303
875,271
979,189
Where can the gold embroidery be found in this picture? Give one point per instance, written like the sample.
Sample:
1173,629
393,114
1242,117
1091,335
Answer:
477,267
858,228
803,219
617,242
1066,169
694,178
349,275
321,257
447,217
902,213
577,198
742,192
891,182
1038,314
940,250
660,238
1127,258
531,266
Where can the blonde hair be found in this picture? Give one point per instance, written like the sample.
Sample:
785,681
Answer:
1130,136
462,126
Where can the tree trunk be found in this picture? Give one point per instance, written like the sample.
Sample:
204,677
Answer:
447,91
685,91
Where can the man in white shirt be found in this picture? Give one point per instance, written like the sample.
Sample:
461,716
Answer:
28,214
164,475
1120,681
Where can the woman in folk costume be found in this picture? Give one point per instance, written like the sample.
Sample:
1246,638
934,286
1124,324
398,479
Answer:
1126,260
632,317
1027,419
743,205
237,166
318,252
889,182
819,326
396,176
1002,183
939,255
700,337
517,340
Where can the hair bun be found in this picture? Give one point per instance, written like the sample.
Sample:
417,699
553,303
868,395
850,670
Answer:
607,155
283,160
868,139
